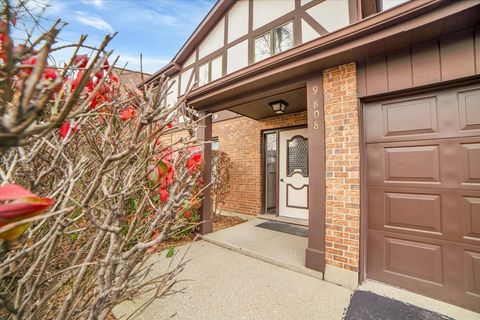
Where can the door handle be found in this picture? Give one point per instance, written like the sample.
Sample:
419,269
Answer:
281,180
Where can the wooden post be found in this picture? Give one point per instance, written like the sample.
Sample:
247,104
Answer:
315,255
204,135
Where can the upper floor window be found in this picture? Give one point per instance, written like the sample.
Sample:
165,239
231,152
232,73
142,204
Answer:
210,70
274,41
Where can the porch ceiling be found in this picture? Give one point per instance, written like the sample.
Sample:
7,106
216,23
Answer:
260,109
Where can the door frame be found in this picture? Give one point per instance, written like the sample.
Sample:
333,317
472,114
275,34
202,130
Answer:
263,169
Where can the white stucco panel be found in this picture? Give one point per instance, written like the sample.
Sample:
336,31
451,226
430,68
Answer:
185,78
331,14
265,11
214,40
308,33
190,60
304,2
172,94
238,20
237,57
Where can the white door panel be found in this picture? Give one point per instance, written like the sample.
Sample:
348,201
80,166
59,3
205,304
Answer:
293,173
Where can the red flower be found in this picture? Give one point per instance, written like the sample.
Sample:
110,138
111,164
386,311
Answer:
127,113
187,214
99,74
197,157
191,163
94,102
77,79
194,161
50,73
163,195
80,60
65,128
22,204
114,79
162,174
29,61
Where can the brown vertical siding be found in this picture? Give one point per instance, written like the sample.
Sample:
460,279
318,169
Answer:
449,58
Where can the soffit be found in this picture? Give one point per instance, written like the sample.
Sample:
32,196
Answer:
260,108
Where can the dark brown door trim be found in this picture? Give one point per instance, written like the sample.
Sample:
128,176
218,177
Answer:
315,255
362,274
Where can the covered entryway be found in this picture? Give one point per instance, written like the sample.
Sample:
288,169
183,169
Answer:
423,193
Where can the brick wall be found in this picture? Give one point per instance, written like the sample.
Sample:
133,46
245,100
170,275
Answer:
240,138
342,167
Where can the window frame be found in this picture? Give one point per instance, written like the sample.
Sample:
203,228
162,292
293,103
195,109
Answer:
209,70
272,40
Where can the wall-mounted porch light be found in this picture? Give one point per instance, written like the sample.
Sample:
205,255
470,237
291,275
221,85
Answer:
278,106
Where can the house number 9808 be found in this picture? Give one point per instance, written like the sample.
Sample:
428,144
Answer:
316,112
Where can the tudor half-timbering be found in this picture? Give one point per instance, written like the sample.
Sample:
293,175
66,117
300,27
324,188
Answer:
359,118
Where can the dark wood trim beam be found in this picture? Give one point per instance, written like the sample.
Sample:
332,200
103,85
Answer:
315,255
314,24
251,47
205,136
297,24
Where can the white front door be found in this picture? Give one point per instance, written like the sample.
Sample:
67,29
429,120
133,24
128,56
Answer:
293,174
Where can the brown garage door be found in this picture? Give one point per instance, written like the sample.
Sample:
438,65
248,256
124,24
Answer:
423,186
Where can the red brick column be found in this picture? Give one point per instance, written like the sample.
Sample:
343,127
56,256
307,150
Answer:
342,167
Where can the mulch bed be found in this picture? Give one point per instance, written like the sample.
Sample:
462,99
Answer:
220,222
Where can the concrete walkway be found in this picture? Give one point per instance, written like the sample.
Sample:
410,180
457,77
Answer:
226,285
247,272
281,249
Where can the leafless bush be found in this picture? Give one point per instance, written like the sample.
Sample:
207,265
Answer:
67,133
221,176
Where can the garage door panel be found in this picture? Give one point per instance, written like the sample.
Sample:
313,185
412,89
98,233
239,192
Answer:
400,253
429,163
472,273
413,163
390,259
452,215
443,114
471,213
436,268
470,162
397,117
413,211
469,111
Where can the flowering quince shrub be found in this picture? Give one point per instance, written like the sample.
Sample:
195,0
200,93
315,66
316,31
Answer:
88,186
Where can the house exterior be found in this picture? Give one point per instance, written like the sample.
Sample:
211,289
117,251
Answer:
376,138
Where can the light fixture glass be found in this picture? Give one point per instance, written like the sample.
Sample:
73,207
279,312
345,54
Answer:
278,106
